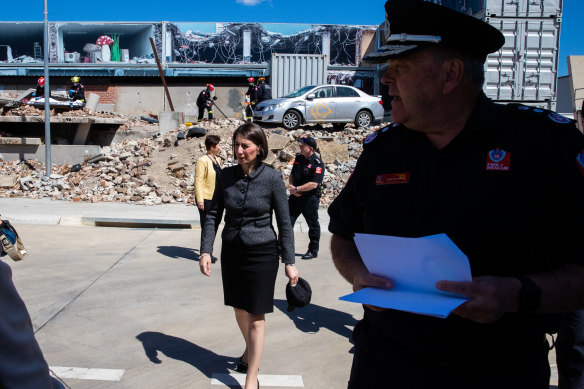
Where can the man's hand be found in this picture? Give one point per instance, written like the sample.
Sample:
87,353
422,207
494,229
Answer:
490,297
365,279
201,206
293,190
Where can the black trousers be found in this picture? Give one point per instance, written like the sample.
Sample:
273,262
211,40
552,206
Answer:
381,362
308,207
570,351
202,108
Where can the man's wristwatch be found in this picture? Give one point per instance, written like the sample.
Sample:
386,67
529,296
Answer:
529,298
296,188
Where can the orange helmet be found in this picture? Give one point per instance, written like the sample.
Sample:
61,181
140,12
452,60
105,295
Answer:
210,87
41,81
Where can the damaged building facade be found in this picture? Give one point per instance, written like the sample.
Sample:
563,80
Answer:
127,78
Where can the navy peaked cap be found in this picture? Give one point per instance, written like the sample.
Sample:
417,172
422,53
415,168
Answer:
411,25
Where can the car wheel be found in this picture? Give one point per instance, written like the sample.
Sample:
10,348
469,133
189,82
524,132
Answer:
291,120
363,119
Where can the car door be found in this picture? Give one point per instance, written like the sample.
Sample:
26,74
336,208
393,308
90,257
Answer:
347,104
322,107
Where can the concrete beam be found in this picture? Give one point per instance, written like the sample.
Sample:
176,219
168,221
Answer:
81,133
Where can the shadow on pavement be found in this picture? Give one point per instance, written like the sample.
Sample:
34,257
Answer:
314,317
179,252
207,362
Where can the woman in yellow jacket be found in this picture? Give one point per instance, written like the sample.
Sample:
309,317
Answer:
207,169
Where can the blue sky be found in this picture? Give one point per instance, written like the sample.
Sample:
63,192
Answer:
265,11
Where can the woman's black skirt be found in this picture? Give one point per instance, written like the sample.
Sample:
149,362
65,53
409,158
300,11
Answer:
249,275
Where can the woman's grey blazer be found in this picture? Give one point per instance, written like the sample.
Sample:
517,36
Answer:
249,203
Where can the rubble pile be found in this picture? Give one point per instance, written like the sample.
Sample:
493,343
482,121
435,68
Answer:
160,169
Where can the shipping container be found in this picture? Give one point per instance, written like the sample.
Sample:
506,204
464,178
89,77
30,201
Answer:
525,68
505,8
289,72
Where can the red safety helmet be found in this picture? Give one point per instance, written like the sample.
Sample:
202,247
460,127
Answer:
210,87
41,81
251,80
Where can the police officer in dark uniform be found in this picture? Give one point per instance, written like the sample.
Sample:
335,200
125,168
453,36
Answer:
205,102
504,182
305,178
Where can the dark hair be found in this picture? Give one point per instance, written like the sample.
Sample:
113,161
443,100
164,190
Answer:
211,141
255,134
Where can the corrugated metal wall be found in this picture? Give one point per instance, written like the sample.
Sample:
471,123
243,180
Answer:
526,67
523,8
289,72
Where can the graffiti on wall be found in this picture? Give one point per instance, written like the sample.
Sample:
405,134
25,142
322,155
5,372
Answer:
226,44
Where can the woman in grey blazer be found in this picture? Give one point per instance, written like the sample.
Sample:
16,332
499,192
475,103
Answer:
250,193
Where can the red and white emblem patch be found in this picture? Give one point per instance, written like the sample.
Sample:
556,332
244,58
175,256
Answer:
498,160
318,170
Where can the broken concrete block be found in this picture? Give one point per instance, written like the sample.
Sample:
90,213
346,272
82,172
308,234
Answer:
330,151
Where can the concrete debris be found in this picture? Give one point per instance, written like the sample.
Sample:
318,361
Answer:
151,171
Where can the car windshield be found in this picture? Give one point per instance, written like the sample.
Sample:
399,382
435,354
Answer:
300,92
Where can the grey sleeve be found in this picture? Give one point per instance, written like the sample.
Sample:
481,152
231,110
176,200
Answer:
22,364
285,231
208,235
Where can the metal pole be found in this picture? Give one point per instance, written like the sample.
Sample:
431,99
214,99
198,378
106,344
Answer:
161,74
47,97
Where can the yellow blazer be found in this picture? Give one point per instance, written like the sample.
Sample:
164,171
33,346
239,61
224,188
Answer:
205,178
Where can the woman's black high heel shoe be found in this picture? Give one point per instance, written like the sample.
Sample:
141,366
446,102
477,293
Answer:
241,366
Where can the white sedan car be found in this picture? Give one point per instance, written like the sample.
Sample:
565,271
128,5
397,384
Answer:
337,104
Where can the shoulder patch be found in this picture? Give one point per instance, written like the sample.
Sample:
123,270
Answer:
540,113
370,138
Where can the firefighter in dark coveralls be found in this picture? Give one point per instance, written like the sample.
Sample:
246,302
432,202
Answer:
77,91
251,98
264,91
305,178
205,102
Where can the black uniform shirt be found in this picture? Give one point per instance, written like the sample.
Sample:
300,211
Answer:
508,190
306,170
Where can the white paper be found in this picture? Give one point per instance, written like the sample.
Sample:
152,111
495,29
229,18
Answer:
414,265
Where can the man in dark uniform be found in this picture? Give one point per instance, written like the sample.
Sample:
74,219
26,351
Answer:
307,174
251,98
505,183
264,91
205,102
77,91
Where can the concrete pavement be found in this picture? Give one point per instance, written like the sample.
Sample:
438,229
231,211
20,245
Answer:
132,302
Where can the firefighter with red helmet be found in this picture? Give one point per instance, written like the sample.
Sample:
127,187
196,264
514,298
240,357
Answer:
205,101
39,93
250,98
